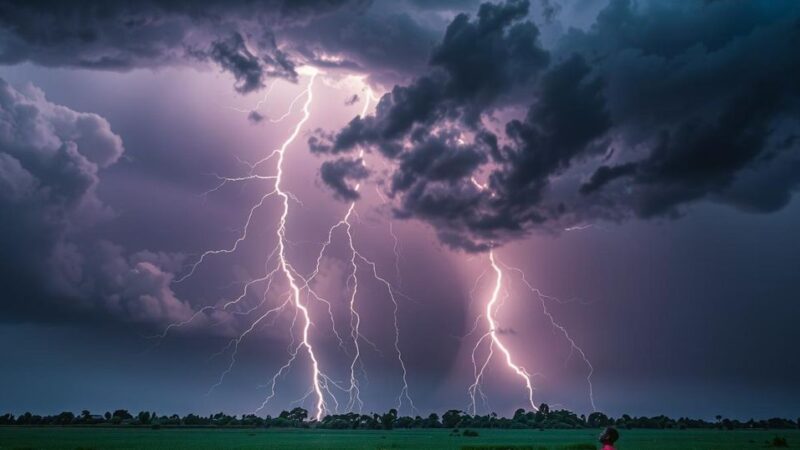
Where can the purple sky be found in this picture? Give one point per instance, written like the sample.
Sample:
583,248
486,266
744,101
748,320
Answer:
669,158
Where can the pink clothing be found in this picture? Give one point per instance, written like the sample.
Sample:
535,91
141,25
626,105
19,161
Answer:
608,447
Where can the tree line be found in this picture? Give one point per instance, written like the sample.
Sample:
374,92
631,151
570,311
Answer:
298,418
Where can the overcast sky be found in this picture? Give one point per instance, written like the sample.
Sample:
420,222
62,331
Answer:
636,160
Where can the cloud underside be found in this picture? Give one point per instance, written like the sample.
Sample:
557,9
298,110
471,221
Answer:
236,36
654,107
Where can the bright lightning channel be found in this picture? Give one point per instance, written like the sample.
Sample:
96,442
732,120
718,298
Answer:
286,268
475,389
319,380
353,280
321,383
496,342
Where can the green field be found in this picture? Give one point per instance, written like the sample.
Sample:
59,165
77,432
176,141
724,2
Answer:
173,439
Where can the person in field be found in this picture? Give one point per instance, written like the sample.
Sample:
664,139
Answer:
609,437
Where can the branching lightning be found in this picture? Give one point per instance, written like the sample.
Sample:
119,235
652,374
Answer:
574,348
283,266
495,342
354,392
300,294
286,268
494,339
323,388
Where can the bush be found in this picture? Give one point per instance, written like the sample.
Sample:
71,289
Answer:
778,441
470,433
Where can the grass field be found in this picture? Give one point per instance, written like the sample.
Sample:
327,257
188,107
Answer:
174,439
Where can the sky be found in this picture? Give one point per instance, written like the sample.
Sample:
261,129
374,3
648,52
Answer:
636,161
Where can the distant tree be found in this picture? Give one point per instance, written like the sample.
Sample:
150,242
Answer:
192,419
120,415
64,418
598,419
222,419
28,419
451,418
298,414
144,417
432,421
388,419
404,422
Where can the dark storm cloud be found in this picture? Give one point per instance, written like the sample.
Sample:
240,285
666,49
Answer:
50,158
123,35
711,104
232,55
699,101
548,8
487,57
388,46
249,70
443,4
568,116
606,174
436,158
336,174
352,100
255,117
477,62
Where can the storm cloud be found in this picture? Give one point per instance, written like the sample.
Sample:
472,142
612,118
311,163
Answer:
652,108
335,174
123,35
50,161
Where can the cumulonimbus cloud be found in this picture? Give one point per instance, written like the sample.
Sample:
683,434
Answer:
652,108
52,266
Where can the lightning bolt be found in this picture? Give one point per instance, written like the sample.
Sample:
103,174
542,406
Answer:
395,240
264,100
319,380
322,388
578,227
491,336
355,317
286,268
496,343
574,348
259,103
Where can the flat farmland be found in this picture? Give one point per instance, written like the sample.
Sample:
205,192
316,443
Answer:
291,439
